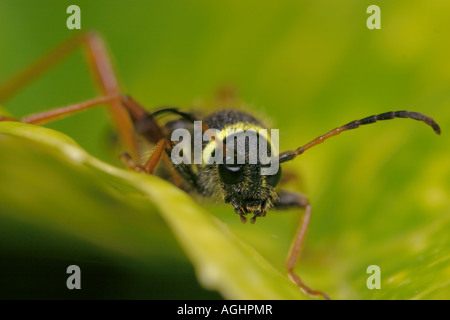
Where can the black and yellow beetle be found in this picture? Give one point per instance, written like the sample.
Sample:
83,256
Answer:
241,185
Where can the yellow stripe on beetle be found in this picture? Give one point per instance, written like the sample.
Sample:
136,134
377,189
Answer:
234,129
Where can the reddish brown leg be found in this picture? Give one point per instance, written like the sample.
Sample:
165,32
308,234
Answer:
58,113
61,112
131,164
289,200
150,166
156,156
6,118
100,65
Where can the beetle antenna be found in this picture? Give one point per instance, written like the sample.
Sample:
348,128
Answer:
289,155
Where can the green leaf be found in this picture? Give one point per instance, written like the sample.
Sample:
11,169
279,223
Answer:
90,191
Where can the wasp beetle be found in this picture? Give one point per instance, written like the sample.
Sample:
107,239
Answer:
243,185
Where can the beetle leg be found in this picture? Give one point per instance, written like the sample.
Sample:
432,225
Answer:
289,200
99,62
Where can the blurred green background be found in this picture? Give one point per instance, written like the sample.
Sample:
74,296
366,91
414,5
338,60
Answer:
380,194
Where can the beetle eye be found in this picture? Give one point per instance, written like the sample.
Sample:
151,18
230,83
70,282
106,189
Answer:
231,174
274,178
